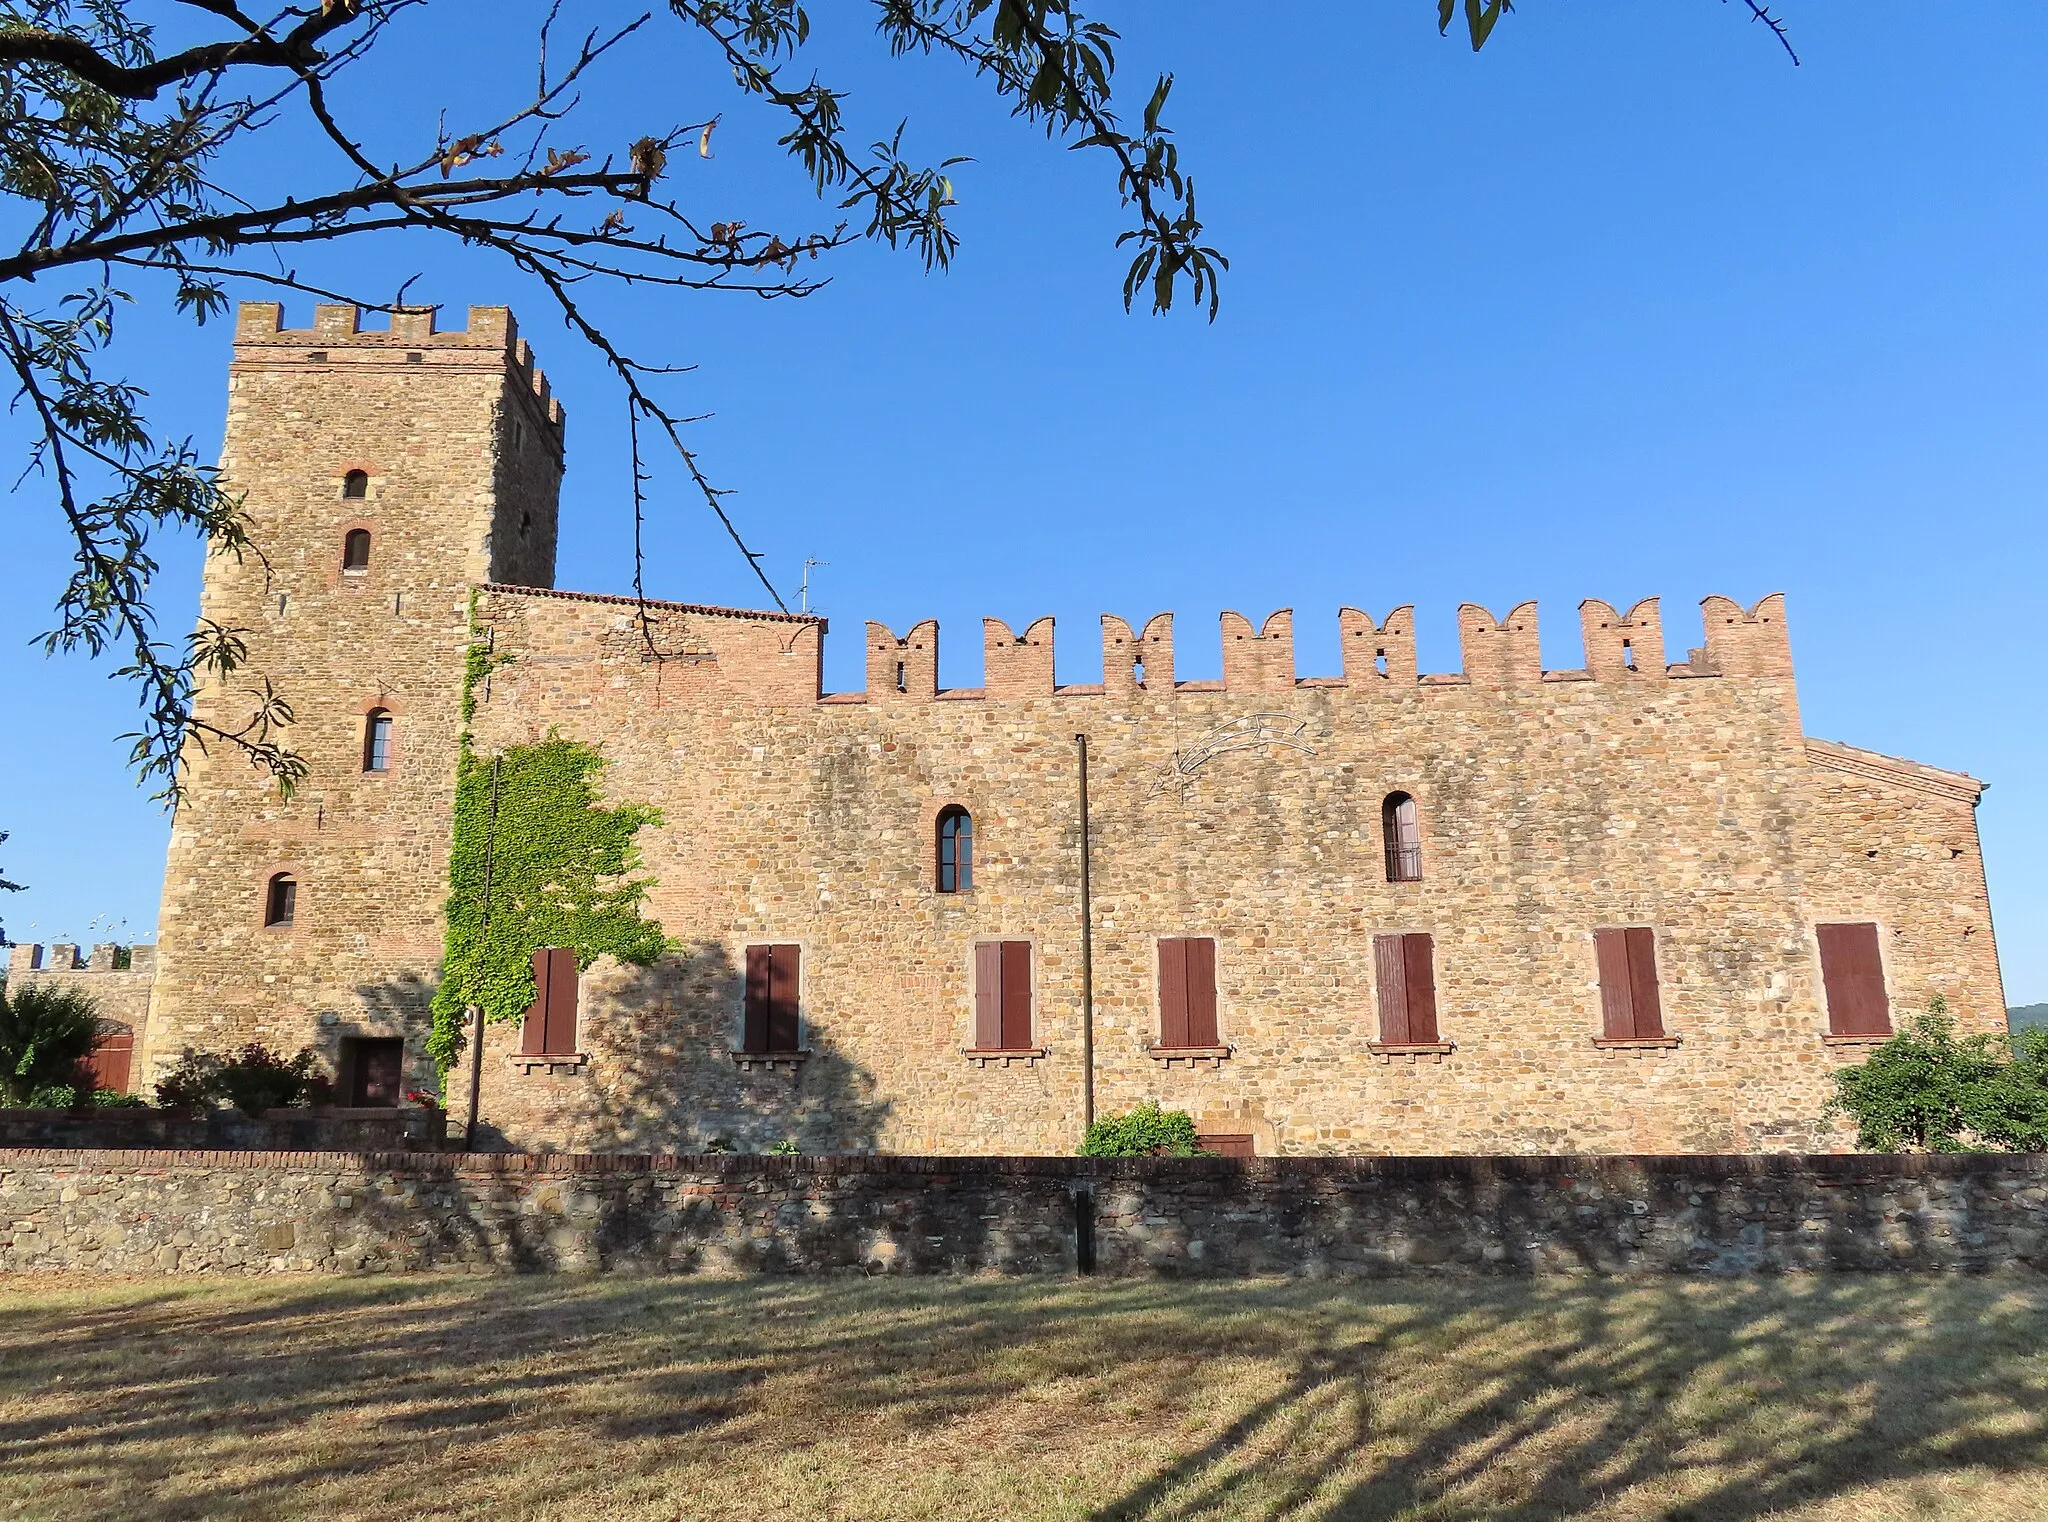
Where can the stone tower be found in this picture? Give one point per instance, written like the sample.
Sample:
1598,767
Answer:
385,473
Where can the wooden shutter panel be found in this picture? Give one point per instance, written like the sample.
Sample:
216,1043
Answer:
533,1025
1201,967
988,996
785,963
1852,968
1617,999
1173,993
1642,981
110,1058
1392,968
560,994
1418,952
755,1033
1016,996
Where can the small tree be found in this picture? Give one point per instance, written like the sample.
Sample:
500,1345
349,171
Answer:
1147,1131
1925,1090
45,1036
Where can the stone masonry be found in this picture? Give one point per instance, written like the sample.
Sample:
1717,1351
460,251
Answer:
1680,796
256,1212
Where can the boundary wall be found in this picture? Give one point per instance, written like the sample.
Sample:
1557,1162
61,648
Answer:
246,1212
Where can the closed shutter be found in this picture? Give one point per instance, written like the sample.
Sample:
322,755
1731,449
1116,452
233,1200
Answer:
1173,993
1617,1000
1016,996
1852,968
561,997
1201,965
988,996
754,1037
533,1025
110,1057
1392,968
1418,952
1642,978
782,998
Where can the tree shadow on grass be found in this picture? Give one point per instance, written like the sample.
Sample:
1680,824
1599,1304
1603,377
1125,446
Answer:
1509,1399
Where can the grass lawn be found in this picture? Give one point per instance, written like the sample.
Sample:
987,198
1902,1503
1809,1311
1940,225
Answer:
575,1398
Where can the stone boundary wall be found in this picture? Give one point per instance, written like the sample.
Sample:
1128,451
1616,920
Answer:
382,1129
256,1212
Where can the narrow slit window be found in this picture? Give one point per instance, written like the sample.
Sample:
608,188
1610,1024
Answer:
281,900
355,485
377,741
1379,662
956,850
355,550
1403,837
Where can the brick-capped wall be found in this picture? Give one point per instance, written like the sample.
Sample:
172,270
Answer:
228,1212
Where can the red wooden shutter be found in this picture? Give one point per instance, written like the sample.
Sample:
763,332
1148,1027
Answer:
1201,963
1392,968
1173,993
1016,996
110,1057
1233,1144
561,1001
533,1025
1418,952
755,1035
1617,1000
1852,967
988,996
782,998
1642,980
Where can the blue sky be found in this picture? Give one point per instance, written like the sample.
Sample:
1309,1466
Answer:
1625,305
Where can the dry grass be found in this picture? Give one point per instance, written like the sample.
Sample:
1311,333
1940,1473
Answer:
580,1399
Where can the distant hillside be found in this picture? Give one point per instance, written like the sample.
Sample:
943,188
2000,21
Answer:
2019,1019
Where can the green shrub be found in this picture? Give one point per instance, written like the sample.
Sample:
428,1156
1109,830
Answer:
787,1147
1925,1090
189,1085
1147,1131
45,1036
255,1079
113,1099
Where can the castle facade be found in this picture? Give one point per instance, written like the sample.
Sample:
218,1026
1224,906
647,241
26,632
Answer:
1628,907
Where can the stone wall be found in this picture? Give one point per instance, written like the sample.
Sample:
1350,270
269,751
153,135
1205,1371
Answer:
121,994
192,1212
288,1129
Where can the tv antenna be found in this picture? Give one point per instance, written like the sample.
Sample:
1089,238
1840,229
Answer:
803,593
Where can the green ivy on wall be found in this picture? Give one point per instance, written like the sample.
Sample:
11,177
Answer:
561,869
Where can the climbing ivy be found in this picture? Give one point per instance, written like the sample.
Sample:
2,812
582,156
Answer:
562,873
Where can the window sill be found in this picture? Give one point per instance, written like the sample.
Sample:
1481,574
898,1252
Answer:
1635,1043
550,1062
1831,1038
982,1056
750,1061
1193,1056
1411,1051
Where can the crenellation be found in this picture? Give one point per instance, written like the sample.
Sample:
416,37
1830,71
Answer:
905,669
1378,652
1747,642
1618,648
1017,665
1504,653
1261,661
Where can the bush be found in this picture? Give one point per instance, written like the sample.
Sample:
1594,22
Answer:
1927,1091
1147,1131
45,1036
787,1147
255,1079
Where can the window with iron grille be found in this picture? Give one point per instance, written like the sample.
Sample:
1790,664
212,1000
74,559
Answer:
956,850
1403,837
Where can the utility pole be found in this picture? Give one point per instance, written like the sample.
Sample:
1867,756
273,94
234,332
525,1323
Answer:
476,1011
1087,955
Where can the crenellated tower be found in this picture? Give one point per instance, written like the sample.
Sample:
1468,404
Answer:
385,472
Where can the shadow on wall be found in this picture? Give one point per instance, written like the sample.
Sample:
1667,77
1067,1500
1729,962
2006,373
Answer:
663,1077
1530,1401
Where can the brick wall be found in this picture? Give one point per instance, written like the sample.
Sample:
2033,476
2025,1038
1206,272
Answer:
196,1212
121,994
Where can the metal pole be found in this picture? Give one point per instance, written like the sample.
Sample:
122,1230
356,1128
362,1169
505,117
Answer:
1087,956
476,1011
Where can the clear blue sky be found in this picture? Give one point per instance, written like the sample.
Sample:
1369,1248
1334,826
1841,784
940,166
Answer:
1625,305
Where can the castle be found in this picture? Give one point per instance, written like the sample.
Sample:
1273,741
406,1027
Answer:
1628,907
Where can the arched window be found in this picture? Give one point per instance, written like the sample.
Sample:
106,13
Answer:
377,741
956,850
356,485
281,902
1404,839
355,550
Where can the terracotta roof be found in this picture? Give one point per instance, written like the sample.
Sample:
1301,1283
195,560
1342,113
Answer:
1879,767
655,602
